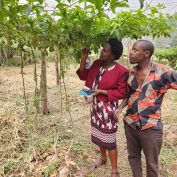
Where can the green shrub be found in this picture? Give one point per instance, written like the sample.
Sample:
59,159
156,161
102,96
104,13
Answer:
169,54
12,62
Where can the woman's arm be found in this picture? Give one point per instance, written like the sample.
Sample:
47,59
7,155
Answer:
99,92
120,91
84,55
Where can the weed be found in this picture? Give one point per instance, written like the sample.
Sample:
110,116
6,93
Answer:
124,166
167,155
49,169
167,172
92,175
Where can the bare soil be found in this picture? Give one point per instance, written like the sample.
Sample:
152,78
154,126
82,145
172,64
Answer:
24,150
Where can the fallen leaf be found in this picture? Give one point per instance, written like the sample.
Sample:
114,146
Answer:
79,174
45,155
60,154
64,172
51,148
54,173
51,159
48,158
32,165
72,163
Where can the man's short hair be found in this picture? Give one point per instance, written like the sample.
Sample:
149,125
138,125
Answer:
147,46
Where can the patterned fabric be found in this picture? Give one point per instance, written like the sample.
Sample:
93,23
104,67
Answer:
144,103
103,125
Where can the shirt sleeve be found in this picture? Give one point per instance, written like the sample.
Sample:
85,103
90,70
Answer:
128,89
120,92
82,74
171,79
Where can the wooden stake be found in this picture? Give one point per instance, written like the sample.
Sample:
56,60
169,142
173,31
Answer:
4,56
56,65
122,60
128,54
44,84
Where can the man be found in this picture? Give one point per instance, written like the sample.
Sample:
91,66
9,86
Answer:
147,84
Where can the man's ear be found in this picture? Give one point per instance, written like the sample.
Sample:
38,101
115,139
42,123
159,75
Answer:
147,54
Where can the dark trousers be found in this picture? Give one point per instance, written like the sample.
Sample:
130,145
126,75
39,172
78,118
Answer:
150,141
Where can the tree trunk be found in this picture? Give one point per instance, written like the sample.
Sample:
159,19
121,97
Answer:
4,56
11,52
56,66
128,54
44,84
122,59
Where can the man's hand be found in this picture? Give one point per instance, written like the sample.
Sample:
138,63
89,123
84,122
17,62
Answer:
117,113
84,54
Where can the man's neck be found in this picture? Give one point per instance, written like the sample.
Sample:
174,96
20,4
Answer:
144,65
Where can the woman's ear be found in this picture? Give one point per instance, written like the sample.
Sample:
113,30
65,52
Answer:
112,57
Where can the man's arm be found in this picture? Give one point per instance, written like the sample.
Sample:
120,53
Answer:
119,109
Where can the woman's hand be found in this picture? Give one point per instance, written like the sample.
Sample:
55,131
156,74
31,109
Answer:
84,54
117,113
99,92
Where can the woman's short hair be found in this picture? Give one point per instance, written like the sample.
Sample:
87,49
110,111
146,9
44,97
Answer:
116,47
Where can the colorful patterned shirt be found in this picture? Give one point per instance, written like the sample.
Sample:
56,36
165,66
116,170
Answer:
144,103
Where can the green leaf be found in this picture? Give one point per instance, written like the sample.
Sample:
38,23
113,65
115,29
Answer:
95,49
28,9
64,13
40,1
78,7
40,9
6,7
90,7
88,27
1,4
113,2
141,3
102,21
124,4
103,15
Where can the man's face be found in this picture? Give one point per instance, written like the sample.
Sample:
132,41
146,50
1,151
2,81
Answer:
137,53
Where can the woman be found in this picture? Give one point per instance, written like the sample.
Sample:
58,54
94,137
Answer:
108,81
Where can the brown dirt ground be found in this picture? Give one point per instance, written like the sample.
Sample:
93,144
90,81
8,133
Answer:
11,92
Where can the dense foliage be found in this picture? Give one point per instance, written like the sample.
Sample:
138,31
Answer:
32,25
169,54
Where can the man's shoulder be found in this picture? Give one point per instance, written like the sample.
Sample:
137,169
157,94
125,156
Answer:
162,69
133,70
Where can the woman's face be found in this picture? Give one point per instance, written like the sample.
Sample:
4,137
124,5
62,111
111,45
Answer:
106,53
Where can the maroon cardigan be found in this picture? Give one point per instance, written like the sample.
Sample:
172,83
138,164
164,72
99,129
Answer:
113,81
